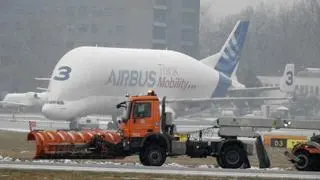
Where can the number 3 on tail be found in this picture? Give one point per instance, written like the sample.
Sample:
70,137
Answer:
64,73
289,81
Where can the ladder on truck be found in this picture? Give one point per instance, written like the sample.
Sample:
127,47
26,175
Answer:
232,128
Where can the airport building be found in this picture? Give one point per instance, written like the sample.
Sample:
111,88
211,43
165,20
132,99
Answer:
35,34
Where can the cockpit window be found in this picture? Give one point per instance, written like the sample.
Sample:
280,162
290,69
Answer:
142,110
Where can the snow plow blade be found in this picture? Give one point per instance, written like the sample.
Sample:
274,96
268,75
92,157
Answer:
86,144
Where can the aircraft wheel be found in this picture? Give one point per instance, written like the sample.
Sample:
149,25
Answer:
74,124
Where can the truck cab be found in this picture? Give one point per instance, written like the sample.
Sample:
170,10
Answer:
141,116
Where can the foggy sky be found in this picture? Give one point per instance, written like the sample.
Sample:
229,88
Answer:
221,8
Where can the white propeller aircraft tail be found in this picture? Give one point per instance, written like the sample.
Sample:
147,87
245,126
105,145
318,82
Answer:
287,81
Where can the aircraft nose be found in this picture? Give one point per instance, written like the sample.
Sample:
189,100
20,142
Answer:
47,111
54,112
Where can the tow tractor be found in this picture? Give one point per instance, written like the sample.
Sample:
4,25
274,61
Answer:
147,131
306,156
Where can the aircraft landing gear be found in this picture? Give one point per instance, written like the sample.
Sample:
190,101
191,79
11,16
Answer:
74,125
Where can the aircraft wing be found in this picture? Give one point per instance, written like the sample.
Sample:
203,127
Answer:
218,99
253,89
42,89
286,84
13,103
42,79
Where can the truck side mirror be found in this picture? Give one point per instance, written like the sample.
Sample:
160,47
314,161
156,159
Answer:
122,104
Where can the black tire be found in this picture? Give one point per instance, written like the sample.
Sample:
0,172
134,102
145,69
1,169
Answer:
219,161
231,156
143,159
306,161
153,155
316,163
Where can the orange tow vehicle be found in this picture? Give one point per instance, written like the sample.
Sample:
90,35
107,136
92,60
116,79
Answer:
306,155
143,131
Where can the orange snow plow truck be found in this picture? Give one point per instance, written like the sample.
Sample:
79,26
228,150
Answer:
145,130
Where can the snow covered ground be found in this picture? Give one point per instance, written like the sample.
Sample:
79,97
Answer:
95,162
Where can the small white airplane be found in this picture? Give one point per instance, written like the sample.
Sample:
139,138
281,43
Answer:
21,100
92,80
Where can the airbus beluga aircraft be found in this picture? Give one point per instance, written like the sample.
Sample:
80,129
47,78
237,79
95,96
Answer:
92,80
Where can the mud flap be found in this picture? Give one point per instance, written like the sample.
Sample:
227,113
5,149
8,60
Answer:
264,161
246,163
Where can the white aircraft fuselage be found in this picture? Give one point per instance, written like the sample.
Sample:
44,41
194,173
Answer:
28,99
92,80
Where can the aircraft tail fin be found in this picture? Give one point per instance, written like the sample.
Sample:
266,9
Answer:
287,82
234,74
228,58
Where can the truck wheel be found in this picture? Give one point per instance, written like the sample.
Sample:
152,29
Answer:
231,156
153,156
143,159
218,158
305,163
